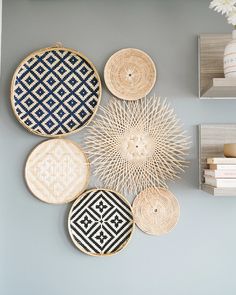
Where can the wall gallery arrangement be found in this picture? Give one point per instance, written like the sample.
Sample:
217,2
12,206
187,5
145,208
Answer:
135,144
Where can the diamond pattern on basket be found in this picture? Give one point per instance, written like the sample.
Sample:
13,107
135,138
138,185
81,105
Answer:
100,222
55,92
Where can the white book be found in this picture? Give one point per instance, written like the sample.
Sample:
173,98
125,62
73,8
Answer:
220,173
222,167
221,160
223,182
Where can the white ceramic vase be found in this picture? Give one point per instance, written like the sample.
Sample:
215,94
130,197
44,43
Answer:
230,57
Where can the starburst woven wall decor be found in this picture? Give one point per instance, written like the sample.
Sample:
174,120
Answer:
138,144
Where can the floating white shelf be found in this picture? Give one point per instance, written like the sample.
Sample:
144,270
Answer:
221,88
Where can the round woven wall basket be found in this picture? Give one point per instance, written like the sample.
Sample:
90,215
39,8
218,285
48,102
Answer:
57,171
156,211
100,222
55,91
130,74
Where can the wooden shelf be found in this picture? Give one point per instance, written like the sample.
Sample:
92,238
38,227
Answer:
221,88
212,138
212,83
219,192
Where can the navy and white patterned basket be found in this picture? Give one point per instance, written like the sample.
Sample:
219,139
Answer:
55,91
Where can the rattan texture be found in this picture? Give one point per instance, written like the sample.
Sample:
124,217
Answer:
55,91
100,222
130,74
133,145
57,171
156,211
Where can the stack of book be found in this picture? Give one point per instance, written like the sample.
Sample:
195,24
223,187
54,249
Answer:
221,172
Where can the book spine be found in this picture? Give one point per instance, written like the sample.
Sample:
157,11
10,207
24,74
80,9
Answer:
220,182
225,161
220,173
222,167
210,181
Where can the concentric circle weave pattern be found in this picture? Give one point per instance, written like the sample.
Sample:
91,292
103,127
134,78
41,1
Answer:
156,211
130,74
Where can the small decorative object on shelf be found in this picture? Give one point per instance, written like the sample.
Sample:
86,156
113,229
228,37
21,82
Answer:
130,74
156,211
230,150
57,171
100,222
55,91
217,172
137,144
230,57
228,8
212,83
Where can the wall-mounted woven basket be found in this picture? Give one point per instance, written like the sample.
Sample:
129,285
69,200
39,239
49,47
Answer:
130,74
55,91
57,171
100,222
156,211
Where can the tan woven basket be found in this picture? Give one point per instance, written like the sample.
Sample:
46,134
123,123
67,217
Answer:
156,211
130,74
57,171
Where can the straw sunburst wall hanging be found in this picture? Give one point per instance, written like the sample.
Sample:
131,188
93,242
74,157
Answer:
138,144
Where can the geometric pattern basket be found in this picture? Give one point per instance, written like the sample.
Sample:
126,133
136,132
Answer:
100,222
55,91
57,171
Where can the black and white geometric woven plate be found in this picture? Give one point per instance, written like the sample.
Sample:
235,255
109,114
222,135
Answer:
100,222
55,91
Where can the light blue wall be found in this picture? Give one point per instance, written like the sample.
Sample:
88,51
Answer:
36,255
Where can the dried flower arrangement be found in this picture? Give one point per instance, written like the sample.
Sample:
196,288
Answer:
227,8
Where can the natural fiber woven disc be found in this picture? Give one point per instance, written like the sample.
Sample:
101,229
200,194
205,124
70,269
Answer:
156,211
57,171
130,74
55,91
100,222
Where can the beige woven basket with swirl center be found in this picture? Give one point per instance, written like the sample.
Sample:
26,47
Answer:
130,74
156,211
